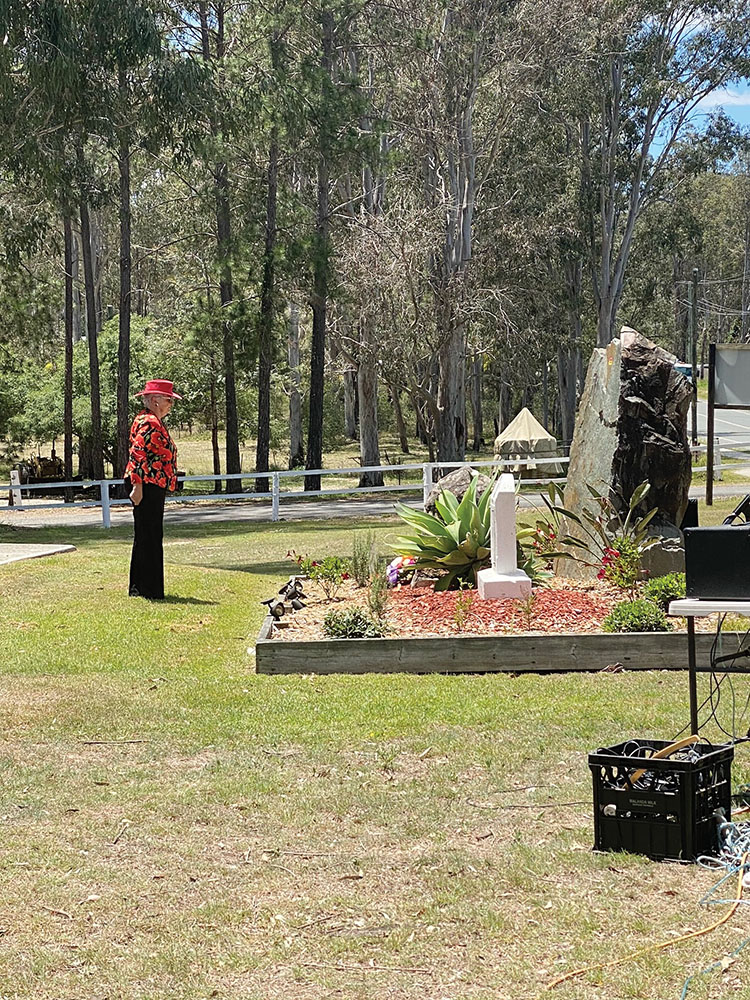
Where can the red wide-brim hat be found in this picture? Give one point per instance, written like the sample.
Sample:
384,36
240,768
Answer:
159,387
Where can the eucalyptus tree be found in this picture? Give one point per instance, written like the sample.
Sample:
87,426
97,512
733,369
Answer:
640,74
127,40
279,98
213,36
49,63
333,119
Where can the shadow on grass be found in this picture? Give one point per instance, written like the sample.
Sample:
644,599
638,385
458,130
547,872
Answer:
278,569
174,599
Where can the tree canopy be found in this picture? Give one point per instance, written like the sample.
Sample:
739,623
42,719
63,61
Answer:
329,218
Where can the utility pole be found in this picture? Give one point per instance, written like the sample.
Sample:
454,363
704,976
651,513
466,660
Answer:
693,341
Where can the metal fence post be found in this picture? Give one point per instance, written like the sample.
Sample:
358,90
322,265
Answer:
717,460
274,496
426,482
106,512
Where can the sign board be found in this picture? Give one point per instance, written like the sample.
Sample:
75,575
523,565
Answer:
732,376
728,389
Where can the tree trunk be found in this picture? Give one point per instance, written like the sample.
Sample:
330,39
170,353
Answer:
319,296
423,429
215,451
350,403
367,387
265,326
97,455
223,240
68,391
567,364
75,270
296,441
85,463
123,354
505,406
450,427
476,402
399,417
223,225
97,266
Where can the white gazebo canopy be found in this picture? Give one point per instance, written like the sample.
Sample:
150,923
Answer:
525,439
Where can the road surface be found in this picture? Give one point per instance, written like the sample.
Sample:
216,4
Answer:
731,426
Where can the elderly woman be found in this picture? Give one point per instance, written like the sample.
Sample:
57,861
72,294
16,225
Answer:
151,472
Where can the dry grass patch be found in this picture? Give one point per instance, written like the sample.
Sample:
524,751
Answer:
302,837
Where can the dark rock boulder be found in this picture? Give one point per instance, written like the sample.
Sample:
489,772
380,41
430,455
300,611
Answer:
652,436
631,428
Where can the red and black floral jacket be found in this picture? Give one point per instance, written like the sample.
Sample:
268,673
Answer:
153,453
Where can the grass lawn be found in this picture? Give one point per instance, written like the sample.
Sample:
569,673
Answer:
174,827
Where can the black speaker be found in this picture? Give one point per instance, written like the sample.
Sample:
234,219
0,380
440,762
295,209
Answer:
717,562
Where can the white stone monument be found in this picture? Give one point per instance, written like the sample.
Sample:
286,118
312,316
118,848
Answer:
504,579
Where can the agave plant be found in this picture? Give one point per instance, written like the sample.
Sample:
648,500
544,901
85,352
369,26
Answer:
457,540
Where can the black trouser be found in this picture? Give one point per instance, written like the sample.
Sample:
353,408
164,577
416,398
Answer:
147,560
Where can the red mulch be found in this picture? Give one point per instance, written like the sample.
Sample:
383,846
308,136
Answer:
565,606
421,611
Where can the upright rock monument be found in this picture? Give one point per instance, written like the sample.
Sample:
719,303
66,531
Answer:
631,427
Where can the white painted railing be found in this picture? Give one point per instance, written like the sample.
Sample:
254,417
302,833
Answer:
425,470
276,494
738,452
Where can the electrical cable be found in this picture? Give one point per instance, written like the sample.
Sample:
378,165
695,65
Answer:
713,699
663,944
721,964
711,281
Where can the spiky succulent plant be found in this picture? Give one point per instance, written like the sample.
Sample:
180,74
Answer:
457,540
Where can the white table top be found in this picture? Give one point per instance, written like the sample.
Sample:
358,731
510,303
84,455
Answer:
694,608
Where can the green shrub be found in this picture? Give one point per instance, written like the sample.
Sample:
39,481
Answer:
636,616
601,534
364,557
329,572
621,564
379,595
352,623
663,589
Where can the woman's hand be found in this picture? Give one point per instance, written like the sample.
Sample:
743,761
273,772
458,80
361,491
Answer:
136,494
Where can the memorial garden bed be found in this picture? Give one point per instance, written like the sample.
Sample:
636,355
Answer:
558,629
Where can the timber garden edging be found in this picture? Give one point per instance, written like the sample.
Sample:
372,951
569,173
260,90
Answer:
540,653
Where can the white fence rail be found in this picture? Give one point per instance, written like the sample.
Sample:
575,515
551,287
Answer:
423,484
425,471
737,452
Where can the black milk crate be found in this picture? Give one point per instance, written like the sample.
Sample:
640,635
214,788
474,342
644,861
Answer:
671,812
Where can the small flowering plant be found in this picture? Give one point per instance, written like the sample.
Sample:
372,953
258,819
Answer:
330,572
621,564
608,561
597,536
398,568
541,539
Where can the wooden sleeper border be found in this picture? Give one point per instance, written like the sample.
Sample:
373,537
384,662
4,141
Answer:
542,653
